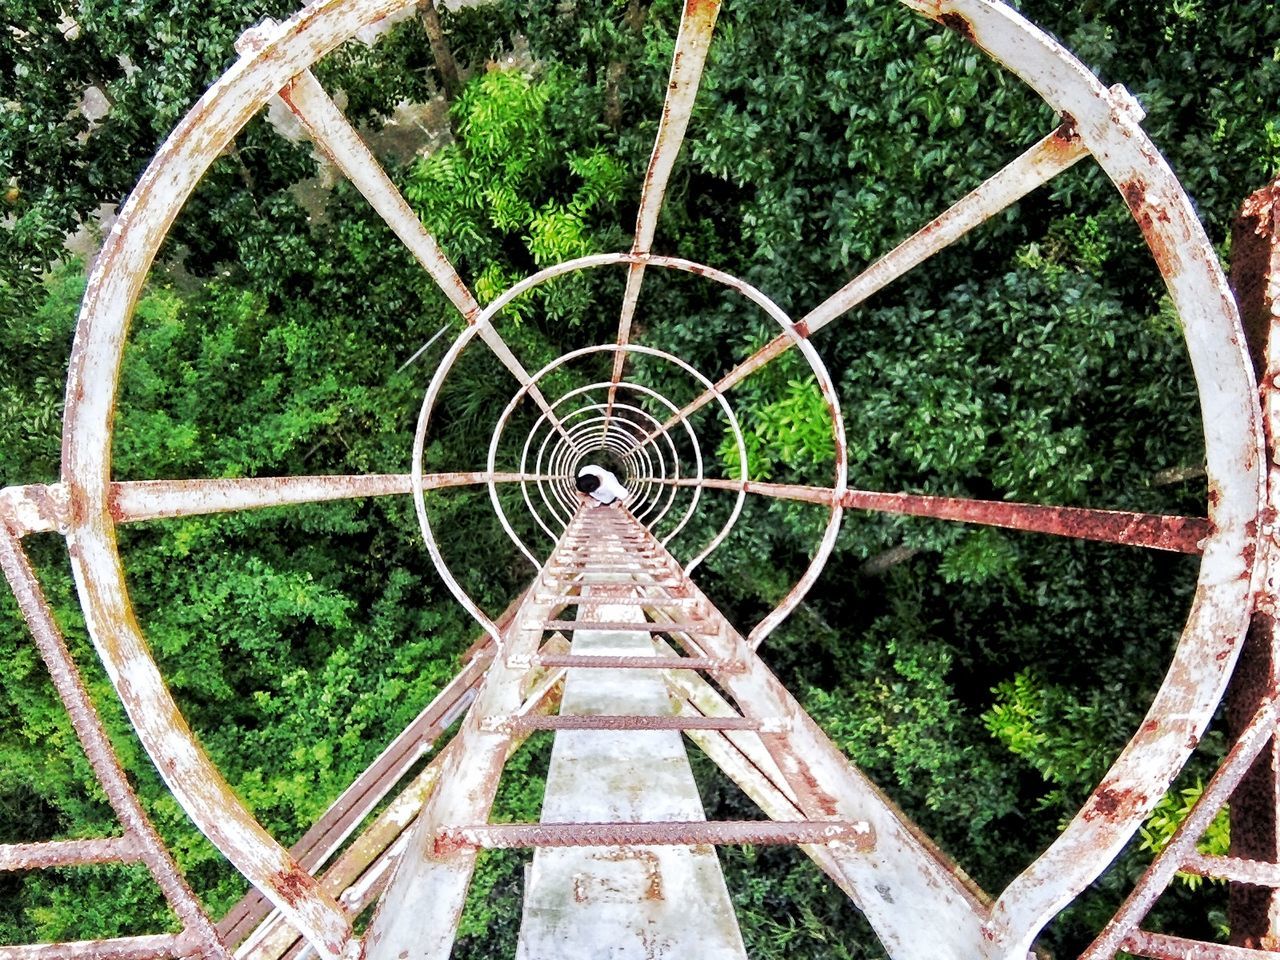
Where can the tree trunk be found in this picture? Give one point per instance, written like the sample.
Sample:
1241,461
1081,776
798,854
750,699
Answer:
446,66
617,69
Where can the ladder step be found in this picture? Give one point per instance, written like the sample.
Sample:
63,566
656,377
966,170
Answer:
609,568
711,664
505,836
624,581
570,721
568,600
597,549
693,628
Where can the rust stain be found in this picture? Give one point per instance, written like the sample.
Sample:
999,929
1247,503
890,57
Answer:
954,21
1177,534
1167,256
701,12
1134,193
1067,130
447,843
1117,804
293,885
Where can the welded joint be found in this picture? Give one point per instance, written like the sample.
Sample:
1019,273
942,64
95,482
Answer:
496,723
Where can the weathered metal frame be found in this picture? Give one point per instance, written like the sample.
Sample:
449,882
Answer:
693,42
140,842
595,432
822,377
1105,122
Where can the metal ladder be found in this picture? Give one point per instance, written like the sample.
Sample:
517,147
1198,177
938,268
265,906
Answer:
632,601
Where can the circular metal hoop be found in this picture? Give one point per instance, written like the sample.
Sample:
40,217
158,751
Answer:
561,489
1106,125
485,319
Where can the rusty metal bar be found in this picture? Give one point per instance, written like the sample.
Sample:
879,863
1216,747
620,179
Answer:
360,874
68,853
646,601
136,500
693,40
1050,156
1179,849
507,836
97,746
601,661
745,760
569,569
908,885
33,508
1153,531
159,946
561,721
1235,458
42,508
1253,913
355,803
1162,946
1255,873
697,628
328,833
333,134
425,895
1149,530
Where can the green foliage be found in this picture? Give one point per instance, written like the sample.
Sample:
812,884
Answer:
1052,730
792,432
1167,817
504,181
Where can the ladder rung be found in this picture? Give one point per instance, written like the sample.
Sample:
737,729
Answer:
505,836
712,664
572,721
595,549
625,582
577,600
609,568
644,626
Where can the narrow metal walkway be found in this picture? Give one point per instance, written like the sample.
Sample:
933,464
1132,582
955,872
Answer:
632,901
624,864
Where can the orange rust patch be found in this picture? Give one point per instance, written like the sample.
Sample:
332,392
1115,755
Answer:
953,21
292,885
701,9
1135,195
1115,805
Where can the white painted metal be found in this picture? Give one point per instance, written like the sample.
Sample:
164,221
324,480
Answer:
697,23
623,903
